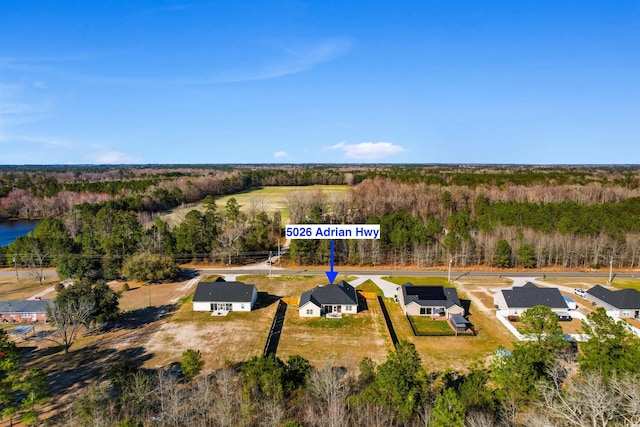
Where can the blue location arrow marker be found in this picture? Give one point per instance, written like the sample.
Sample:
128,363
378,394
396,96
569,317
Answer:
331,275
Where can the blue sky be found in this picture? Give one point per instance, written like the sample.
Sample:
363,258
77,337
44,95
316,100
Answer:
544,82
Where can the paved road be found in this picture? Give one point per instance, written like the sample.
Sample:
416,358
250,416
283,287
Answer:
262,268
454,274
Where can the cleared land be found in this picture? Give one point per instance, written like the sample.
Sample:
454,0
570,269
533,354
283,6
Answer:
340,342
28,287
268,199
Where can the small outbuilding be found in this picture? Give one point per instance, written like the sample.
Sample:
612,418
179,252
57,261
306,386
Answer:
221,296
460,324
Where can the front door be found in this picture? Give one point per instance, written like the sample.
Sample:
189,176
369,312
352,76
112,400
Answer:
337,308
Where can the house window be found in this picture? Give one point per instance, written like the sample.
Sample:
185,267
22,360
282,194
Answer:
309,311
626,313
347,308
242,306
423,311
26,315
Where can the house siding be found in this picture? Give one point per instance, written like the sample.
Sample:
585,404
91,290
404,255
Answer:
235,306
23,317
610,309
315,310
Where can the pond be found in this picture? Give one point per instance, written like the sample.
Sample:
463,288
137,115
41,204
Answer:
11,230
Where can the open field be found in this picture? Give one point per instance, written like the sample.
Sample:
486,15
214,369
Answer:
140,295
340,342
268,199
226,339
28,287
287,286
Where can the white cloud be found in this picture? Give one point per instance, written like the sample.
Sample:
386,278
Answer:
280,154
368,150
112,157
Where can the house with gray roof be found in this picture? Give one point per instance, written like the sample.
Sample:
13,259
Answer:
434,301
623,303
20,311
221,296
332,299
519,299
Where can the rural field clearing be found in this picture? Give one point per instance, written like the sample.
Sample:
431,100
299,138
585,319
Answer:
28,287
268,199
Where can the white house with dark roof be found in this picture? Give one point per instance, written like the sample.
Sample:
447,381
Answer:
434,301
19,311
518,299
623,303
340,298
222,296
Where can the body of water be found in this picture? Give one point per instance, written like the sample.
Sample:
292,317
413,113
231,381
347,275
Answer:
11,230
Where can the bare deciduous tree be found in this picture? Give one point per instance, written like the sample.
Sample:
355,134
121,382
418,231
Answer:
69,316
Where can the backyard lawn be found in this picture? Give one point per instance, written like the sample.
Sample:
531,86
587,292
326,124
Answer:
340,342
444,352
425,325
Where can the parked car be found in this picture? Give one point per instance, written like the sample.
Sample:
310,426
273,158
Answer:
564,317
581,293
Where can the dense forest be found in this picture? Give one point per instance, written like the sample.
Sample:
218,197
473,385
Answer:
95,219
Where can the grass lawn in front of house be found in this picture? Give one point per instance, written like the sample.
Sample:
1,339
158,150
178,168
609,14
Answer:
369,286
419,280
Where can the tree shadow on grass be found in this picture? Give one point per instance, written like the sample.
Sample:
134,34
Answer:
134,319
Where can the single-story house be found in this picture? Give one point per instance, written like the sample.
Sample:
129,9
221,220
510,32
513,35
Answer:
329,299
623,303
519,299
222,296
24,311
429,301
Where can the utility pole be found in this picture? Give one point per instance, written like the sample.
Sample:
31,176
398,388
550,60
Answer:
270,264
449,275
149,286
610,270
15,264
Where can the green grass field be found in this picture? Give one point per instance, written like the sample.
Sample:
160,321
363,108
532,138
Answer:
268,199
424,325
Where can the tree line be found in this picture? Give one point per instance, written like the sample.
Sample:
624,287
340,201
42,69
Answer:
428,226
107,241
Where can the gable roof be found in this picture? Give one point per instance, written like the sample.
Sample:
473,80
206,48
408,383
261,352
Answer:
622,299
530,295
220,291
429,296
341,293
24,306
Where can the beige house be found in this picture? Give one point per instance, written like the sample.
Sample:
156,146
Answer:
518,299
434,301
